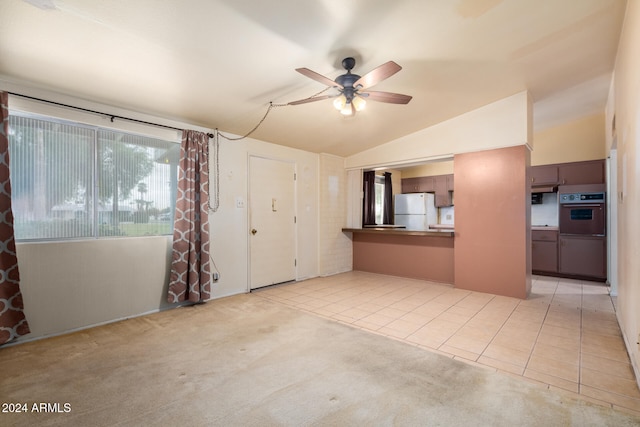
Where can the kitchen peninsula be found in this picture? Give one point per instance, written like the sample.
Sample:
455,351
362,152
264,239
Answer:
425,255
490,250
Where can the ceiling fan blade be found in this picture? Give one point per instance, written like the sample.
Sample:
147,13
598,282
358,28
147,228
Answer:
391,98
318,77
376,75
312,99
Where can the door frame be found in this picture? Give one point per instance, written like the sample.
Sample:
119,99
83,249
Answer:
249,211
612,218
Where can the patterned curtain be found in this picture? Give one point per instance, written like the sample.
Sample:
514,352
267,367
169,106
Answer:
12,320
190,278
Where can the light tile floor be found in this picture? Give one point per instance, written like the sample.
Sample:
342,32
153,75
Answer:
565,336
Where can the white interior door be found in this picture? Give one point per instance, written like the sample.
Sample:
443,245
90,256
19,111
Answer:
271,222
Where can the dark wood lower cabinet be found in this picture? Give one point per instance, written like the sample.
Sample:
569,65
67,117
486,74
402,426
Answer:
544,256
568,255
583,256
544,253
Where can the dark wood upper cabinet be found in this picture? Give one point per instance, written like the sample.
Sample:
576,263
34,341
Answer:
450,182
441,185
582,173
588,172
544,175
410,185
443,199
422,184
443,195
428,184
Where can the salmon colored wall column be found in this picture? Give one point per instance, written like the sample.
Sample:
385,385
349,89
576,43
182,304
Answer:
493,221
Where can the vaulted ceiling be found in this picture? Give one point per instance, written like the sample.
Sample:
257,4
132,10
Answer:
219,63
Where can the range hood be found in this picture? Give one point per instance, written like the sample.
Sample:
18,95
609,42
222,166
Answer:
545,189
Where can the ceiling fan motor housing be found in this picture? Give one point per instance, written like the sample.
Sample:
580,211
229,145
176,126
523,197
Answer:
347,80
348,63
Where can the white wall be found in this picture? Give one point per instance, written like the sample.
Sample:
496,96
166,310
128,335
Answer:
336,254
229,225
504,123
624,103
76,284
72,285
547,212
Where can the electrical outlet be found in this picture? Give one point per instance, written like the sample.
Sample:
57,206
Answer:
239,202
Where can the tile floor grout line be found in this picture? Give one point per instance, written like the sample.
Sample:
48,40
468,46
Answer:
563,304
535,342
496,334
487,345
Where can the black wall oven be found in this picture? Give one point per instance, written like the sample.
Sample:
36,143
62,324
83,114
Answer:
583,213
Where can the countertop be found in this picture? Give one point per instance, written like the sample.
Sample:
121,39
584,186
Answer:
544,227
440,232
401,231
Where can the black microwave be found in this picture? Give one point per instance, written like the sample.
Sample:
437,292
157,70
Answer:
536,198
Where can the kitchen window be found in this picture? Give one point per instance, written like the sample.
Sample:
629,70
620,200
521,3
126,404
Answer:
379,199
74,181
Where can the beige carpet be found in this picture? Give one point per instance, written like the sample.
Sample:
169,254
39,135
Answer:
245,361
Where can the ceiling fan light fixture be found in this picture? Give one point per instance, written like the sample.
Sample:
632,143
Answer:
358,103
340,102
347,110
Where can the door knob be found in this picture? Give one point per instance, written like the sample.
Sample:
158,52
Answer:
254,231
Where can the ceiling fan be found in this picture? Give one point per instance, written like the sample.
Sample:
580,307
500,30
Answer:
353,89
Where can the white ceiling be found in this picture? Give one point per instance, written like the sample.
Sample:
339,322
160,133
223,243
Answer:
218,63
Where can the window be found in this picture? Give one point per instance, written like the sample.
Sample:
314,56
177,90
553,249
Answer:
74,181
379,199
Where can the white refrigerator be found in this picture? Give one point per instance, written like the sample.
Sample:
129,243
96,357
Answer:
415,210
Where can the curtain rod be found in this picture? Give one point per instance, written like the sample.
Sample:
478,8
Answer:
113,116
